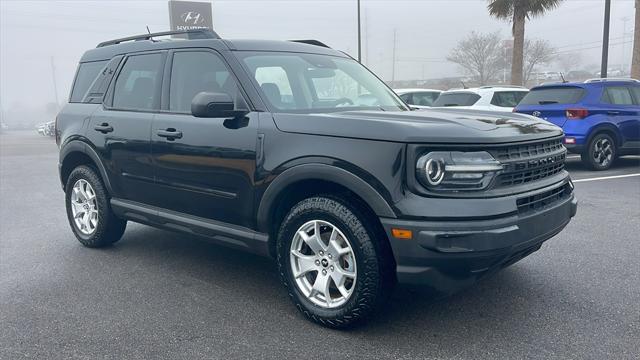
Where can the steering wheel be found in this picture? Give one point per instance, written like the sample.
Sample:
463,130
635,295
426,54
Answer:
343,100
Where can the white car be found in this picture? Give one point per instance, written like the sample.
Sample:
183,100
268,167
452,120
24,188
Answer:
494,98
420,98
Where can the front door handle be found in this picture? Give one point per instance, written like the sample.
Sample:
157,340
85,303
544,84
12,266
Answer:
170,133
103,128
613,112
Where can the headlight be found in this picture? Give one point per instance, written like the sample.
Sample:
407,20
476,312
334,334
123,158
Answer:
456,171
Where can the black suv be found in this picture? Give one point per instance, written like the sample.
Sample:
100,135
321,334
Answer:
293,150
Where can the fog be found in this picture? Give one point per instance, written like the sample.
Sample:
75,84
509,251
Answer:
42,41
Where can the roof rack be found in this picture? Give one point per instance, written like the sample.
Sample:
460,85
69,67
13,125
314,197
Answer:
610,79
191,35
312,42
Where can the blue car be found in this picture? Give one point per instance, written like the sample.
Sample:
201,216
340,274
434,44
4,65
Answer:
600,117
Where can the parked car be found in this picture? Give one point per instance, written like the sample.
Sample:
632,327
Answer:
40,128
419,98
600,117
494,98
263,146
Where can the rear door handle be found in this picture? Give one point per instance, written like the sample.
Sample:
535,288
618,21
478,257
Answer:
103,128
613,112
170,134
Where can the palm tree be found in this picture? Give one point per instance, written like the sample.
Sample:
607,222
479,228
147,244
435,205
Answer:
635,61
517,12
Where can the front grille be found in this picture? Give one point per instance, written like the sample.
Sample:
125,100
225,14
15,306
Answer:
539,201
530,162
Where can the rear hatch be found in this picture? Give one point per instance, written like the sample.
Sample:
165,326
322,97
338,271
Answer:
551,102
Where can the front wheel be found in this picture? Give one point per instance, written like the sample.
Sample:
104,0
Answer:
332,263
600,152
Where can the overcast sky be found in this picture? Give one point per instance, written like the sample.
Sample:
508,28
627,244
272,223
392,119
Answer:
35,34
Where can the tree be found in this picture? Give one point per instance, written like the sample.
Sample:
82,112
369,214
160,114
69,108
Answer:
517,12
635,60
480,55
536,52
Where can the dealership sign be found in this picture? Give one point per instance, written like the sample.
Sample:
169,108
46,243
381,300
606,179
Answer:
189,15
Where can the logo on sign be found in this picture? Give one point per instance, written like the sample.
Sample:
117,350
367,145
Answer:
192,18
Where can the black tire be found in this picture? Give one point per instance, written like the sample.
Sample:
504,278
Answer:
597,159
109,228
374,262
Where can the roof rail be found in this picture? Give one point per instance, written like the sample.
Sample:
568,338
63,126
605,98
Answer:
191,35
502,86
312,42
610,79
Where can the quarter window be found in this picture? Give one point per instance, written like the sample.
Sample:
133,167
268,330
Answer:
137,85
87,73
195,72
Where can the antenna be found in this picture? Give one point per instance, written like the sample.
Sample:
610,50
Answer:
148,31
562,77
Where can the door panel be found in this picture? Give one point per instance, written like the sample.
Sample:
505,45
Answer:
209,171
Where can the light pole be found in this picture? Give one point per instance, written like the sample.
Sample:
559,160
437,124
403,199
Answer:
605,39
359,36
623,66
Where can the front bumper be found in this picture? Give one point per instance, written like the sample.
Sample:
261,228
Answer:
449,254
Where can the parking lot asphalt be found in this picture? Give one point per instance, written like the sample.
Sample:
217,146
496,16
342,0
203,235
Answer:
158,294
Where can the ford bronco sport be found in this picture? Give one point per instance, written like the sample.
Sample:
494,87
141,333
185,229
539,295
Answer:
293,150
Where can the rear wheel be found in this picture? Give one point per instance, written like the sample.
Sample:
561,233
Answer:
88,209
331,262
600,153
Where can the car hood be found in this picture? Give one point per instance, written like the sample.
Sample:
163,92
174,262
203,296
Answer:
421,126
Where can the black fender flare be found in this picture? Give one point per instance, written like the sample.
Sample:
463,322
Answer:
321,172
82,147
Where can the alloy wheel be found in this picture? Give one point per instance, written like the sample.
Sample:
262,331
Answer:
323,264
84,207
603,152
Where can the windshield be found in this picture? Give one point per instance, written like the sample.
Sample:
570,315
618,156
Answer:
297,82
553,95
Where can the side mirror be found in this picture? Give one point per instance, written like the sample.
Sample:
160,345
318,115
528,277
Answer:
213,105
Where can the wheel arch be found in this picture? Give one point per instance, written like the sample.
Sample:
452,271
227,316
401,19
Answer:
76,153
606,128
294,184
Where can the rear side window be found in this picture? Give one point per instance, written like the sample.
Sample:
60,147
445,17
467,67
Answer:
551,95
635,90
406,98
456,99
507,98
617,95
137,84
195,72
87,72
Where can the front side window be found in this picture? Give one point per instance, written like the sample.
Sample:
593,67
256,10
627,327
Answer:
137,84
617,95
194,72
507,98
456,99
87,73
296,82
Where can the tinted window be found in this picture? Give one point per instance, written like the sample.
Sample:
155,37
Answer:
507,98
424,98
456,99
137,84
87,72
635,90
195,72
617,95
550,95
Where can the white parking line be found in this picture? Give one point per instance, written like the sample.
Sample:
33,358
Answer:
606,178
